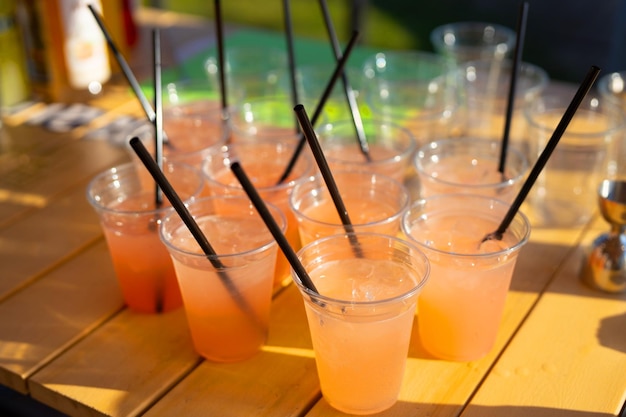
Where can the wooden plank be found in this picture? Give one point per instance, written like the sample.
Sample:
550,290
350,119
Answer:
56,164
569,357
35,244
38,323
280,381
120,369
32,176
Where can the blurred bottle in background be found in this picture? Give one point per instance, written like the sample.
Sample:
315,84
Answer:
14,84
76,51
67,55
28,21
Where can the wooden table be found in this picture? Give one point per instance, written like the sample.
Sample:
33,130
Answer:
67,341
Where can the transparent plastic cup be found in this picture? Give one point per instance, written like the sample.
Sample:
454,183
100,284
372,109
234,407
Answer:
390,147
361,320
374,202
226,296
125,203
460,309
264,163
469,165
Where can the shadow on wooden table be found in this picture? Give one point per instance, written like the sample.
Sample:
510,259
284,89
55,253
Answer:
402,408
611,332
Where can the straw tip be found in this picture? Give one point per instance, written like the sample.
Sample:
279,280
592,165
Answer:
299,107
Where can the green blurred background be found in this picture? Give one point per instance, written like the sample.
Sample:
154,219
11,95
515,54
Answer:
564,37
381,25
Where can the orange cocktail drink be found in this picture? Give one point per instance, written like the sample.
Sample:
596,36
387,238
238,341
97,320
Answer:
459,312
374,202
264,162
188,134
390,147
130,220
361,318
227,296
469,165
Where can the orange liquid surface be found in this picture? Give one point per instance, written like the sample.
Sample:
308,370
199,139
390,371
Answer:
459,172
362,212
189,134
348,157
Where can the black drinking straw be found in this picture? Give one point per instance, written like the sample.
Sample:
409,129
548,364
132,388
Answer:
274,229
584,88
318,153
128,73
320,105
221,58
291,57
517,60
158,113
193,227
349,92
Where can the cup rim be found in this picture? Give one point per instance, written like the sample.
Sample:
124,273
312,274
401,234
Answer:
558,106
211,61
406,225
226,150
173,216
605,83
412,142
241,127
437,34
317,178
373,57
129,168
470,141
525,69
145,132
322,299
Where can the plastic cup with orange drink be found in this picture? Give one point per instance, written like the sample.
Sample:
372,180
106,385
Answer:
130,217
469,165
227,295
188,135
375,203
263,118
361,316
390,147
264,162
460,310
